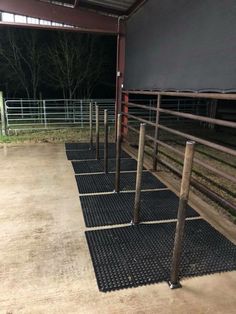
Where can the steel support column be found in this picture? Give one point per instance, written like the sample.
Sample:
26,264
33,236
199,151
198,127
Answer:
120,66
125,116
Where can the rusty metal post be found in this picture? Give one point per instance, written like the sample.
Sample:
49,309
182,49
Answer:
136,214
91,124
155,148
183,201
105,141
97,132
118,151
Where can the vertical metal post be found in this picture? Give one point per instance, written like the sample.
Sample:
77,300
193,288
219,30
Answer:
40,107
44,114
136,214
81,113
106,141
125,117
120,66
97,132
21,105
91,124
155,148
118,151
183,201
3,122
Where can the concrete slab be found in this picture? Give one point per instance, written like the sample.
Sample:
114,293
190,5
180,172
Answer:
45,266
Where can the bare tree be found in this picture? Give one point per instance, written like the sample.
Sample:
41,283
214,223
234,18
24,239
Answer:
20,57
76,64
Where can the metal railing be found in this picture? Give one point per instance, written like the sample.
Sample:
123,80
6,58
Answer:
23,114
157,125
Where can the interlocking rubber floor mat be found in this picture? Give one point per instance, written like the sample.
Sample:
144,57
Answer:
97,183
85,146
92,166
139,255
114,209
91,154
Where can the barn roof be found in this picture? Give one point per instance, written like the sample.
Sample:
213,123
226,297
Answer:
114,7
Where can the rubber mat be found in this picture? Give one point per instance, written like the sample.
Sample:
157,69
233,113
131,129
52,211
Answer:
86,146
97,183
139,255
114,209
91,154
92,166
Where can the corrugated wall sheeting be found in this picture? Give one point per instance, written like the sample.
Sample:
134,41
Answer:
182,45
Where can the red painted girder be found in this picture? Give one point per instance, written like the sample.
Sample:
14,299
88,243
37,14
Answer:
73,16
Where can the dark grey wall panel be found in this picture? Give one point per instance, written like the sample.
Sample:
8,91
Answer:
182,45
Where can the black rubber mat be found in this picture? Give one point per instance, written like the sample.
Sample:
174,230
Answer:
114,209
91,154
92,166
139,255
97,183
85,146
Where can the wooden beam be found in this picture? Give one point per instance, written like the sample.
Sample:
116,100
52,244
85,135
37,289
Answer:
79,17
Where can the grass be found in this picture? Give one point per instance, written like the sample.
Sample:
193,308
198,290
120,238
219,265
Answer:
53,136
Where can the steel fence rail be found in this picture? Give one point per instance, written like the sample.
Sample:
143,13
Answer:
172,109
29,114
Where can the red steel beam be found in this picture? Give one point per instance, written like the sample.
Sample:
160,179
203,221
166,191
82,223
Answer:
46,27
120,66
79,17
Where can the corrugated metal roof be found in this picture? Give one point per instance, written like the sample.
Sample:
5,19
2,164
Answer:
117,7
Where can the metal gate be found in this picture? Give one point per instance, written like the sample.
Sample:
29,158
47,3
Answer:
24,114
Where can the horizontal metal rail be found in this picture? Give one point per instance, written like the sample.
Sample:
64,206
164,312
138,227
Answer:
199,118
202,188
138,119
199,140
139,106
225,96
185,135
185,111
181,154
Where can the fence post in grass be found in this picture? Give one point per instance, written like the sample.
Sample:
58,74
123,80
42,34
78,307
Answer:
44,114
3,121
118,151
97,132
155,148
136,214
91,124
105,141
183,201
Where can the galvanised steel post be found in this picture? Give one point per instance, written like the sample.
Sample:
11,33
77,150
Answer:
106,141
3,122
91,124
44,114
183,201
97,132
155,148
118,151
136,214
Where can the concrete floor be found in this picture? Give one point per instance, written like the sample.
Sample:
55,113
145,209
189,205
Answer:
45,266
